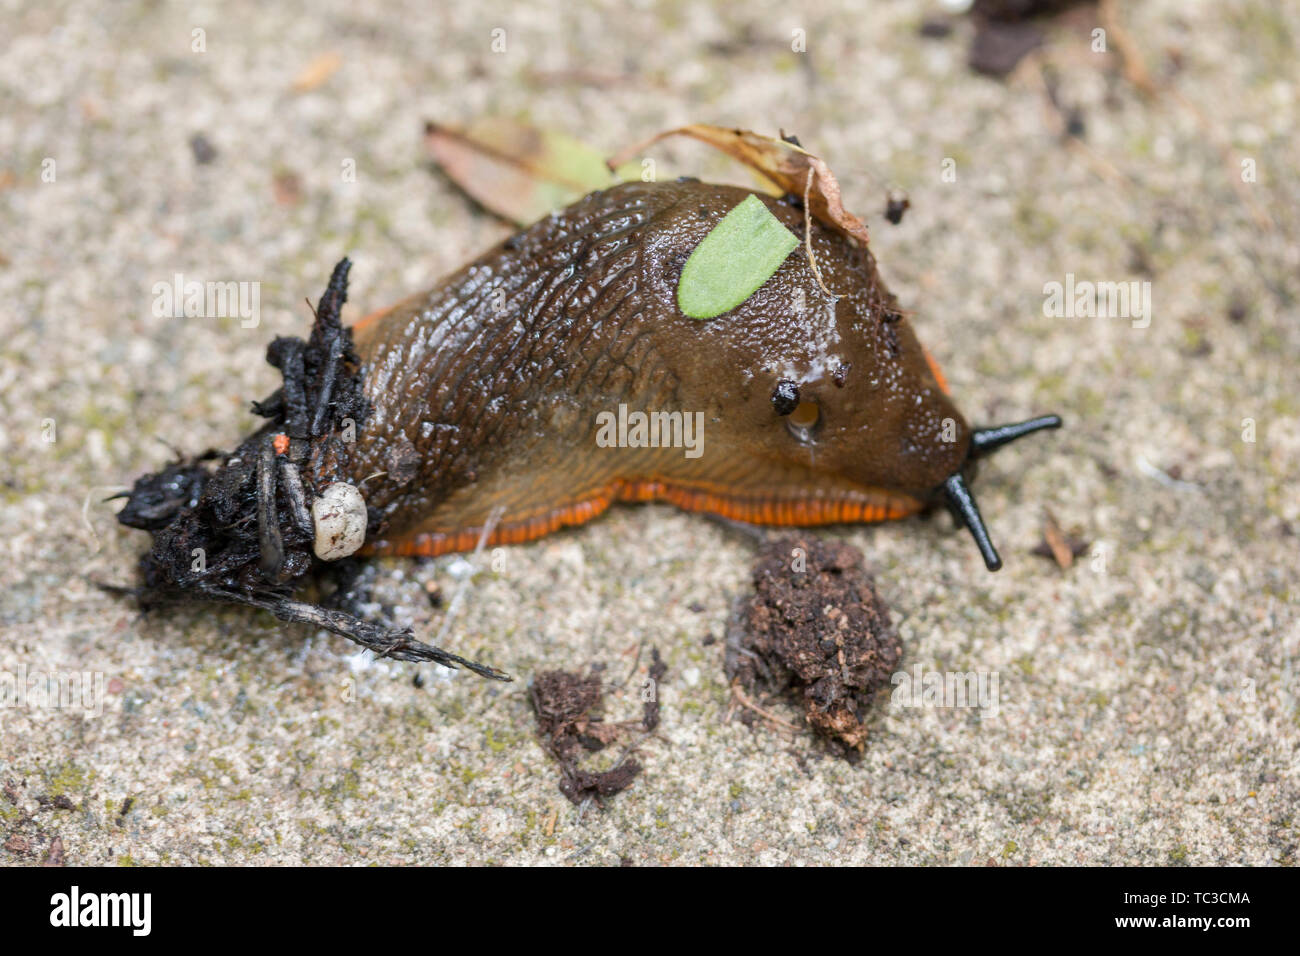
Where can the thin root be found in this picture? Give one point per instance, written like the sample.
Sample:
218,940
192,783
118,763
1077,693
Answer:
743,699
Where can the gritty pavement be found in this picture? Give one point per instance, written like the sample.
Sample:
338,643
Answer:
1147,696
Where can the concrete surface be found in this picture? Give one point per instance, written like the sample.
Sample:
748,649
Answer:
1148,709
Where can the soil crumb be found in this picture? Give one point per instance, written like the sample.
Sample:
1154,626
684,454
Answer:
570,720
816,631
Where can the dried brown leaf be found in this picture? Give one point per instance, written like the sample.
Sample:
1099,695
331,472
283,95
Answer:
784,164
517,171
1062,553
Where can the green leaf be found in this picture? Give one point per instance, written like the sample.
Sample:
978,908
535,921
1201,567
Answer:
737,256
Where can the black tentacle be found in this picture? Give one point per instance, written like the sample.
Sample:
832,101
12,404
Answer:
963,505
985,440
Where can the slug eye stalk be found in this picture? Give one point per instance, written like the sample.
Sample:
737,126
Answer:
985,440
962,502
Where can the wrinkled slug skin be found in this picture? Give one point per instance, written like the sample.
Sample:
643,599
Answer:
486,389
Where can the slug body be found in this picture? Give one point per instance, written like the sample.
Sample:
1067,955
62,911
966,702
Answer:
492,396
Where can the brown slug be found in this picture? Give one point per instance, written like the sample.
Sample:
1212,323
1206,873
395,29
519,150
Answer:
557,374
486,390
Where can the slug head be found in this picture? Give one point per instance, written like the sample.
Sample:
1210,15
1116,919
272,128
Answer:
819,390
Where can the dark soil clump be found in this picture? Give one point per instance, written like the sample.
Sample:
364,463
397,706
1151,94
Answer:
569,721
814,630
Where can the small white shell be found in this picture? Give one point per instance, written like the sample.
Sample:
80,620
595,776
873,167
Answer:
340,517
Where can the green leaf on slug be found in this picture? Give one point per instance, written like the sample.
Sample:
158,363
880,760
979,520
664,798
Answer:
738,255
